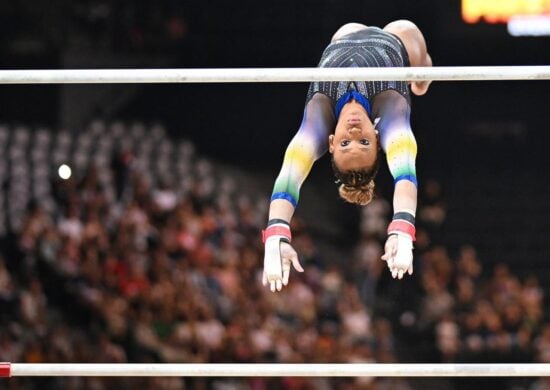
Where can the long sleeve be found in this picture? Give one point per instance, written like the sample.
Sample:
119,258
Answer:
397,139
307,146
399,144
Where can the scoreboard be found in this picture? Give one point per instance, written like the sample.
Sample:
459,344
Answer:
523,17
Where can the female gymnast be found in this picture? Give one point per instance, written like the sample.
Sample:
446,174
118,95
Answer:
358,119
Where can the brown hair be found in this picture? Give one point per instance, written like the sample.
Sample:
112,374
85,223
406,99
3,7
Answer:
356,186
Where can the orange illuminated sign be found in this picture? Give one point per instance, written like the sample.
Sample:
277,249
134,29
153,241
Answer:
501,11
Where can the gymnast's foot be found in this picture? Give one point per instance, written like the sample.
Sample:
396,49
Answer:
419,88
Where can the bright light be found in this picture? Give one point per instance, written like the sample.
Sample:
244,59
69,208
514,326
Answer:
64,171
501,11
529,25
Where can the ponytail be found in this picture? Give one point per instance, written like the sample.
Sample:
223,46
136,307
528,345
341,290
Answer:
361,195
356,186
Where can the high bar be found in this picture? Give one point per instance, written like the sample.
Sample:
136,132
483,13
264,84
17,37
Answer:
276,370
271,75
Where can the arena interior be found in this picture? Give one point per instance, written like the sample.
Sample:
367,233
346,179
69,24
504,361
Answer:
131,214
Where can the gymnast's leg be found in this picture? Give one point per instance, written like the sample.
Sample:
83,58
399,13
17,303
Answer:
414,42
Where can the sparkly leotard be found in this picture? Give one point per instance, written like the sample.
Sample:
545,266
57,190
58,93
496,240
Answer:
371,47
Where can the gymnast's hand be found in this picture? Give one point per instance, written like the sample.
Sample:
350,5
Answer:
279,255
398,254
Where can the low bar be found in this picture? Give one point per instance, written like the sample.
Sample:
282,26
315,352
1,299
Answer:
277,370
268,75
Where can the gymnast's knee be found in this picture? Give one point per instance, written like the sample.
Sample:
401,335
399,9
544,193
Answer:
346,29
412,38
401,25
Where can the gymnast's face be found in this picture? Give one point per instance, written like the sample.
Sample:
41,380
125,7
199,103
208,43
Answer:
354,144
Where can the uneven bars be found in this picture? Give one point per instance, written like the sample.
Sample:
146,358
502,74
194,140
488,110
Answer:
277,370
267,75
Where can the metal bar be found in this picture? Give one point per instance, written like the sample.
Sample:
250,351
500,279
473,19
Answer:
280,370
267,75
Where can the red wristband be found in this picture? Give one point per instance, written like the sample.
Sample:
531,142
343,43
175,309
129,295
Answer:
276,230
402,226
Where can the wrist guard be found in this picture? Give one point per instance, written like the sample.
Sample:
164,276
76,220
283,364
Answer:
279,228
403,223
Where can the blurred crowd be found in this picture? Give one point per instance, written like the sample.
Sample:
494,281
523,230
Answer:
108,26
453,309
121,266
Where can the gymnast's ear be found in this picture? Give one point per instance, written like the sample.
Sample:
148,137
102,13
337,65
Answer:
331,143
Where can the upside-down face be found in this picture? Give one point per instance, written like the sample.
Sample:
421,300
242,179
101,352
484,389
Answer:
354,144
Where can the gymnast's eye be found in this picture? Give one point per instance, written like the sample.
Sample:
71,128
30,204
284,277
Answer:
344,143
364,141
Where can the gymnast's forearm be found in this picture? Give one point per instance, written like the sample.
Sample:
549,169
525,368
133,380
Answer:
300,155
405,197
307,146
281,209
399,143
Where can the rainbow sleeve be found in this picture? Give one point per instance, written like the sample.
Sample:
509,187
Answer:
299,158
400,148
307,146
398,142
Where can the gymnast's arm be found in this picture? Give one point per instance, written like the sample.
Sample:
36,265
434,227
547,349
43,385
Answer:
309,143
399,144
307,146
